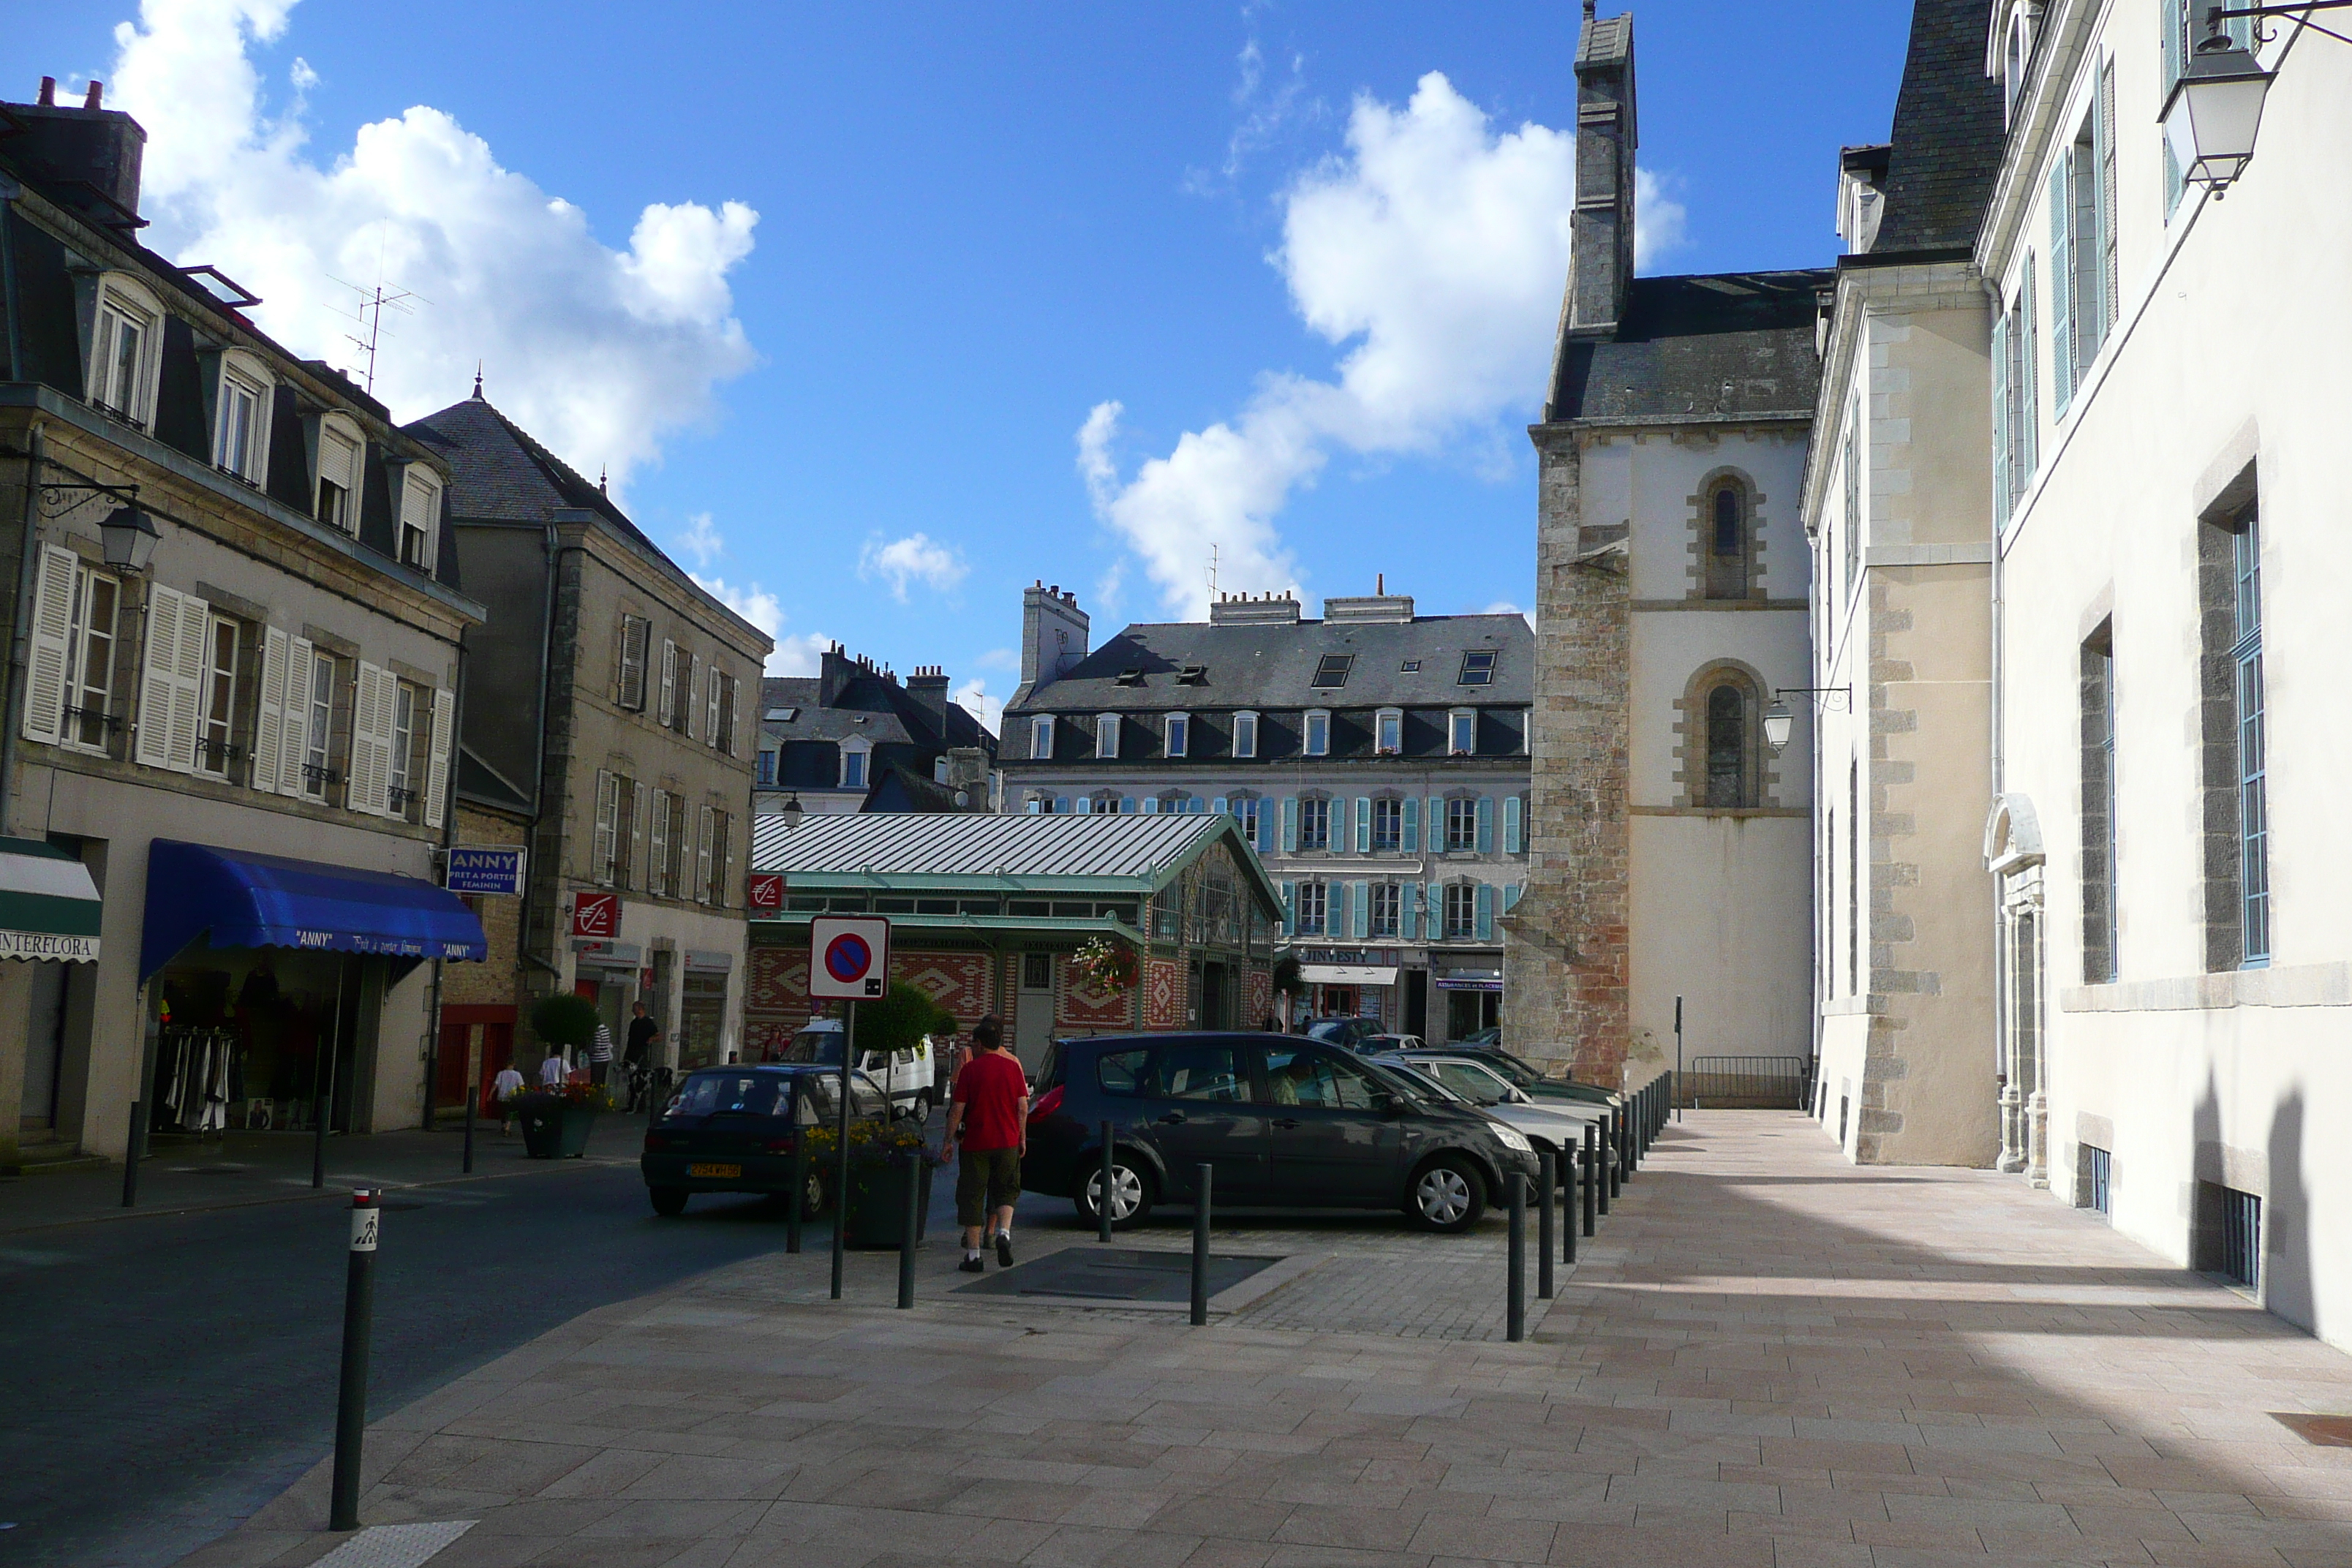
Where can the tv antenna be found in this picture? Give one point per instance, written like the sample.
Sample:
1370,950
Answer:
369,317
1213,571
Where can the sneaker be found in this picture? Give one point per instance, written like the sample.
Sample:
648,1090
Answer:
972,1266
1005,1250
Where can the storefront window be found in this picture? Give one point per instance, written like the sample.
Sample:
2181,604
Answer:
254,1039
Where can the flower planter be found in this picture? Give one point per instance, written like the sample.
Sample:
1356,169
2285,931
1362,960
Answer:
552,1129
877,1202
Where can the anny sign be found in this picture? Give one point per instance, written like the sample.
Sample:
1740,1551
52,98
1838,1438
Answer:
485,869
850,957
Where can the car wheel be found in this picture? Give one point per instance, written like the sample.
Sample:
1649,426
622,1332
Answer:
1131,1194
923,1106
813,1196
1448,1194
669,1201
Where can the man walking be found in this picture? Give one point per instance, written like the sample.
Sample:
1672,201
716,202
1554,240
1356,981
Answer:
989,1109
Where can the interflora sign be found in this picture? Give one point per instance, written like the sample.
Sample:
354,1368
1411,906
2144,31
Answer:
596,915
485,869
850,957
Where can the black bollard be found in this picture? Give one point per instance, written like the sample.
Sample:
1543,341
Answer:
1614,1146
1516,1313
351,1405
1574,1156
1591,1174
1546,1212
1604,1162
1102,1209
916,1176
799,1190
132,1144
1201,1184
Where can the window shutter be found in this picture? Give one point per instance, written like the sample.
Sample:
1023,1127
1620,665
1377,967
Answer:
1511,809
2029,431
1335,827
1358,908
1409,912
370,772
2102,132
702,856
269,713
47,677
2062,273
1363,825
1411,837
1486,825
734,729
436,757
641,873
2001,487
608,797
188,667
668,713
1219,805
294,736
1440,841
1437,911
1511,895
1486,911
1290,825
1289,908
658,863
691,691
713,696
156,663
726,860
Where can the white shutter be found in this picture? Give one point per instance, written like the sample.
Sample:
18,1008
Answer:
711,710
436,757
46,676
670,682
657,862
600,855
370,772
640,874
269,719
734,720
188,666
727,870
157,660
294,743
692,694
702,859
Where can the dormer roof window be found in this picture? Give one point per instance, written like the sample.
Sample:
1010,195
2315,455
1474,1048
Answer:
1332,671
126,349
1131,675
1192,675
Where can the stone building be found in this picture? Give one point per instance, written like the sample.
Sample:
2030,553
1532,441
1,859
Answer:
1670,843
232,695
1375,760
853,737
611,698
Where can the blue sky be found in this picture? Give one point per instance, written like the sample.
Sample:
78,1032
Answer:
1318,286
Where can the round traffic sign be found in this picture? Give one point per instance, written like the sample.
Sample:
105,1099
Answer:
847,958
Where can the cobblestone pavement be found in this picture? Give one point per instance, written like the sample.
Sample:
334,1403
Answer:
1768,1358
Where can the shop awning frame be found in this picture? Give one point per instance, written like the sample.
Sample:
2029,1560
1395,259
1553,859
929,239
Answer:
50,907
235,898
1348,974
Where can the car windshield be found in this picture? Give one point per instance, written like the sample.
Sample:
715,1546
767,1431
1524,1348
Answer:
1412,1081
820,1045
1470,1079
728,1093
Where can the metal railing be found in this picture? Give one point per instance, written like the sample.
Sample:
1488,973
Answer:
1745,1083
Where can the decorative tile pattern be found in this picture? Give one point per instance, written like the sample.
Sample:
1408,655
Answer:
1082,1005
957,981
1163,994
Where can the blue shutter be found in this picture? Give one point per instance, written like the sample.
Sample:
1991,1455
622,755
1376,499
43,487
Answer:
1290,825
1437,838
1409,912
1511,845
1127,805
1359,909
1033,807
1364,826
1336,831
1150,805
1411,838
2000,491
2029,431
1437,911
1486,825
1511,895
2061,275
1219,805
1289,908
1265,828
2103,185
1485,915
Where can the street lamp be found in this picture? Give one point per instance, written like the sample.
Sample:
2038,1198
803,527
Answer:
1781,720
791,812
129,539
2213,111
1778,722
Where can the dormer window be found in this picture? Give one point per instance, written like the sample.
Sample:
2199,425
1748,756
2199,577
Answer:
125,351
420,516
341,449
1332,671
1131,675
1179,734
1107,736
1245,734
241,418
1388,731
1041,740
1461,733
1192,675
1318,732
855,755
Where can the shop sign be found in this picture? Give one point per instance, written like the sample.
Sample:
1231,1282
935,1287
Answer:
485,869
764,893
47,944
1351,955
708,961
850,957
596,915
608,954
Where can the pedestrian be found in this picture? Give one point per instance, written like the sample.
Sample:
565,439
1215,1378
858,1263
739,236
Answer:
635,1056
989,1109
552,1069
600,1054
503,1089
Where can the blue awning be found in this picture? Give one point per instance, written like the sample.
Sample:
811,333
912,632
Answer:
232,899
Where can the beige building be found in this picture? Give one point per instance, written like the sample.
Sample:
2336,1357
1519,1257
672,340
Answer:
613,702
1670,852
232,689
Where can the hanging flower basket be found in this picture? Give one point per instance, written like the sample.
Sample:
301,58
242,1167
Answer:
1105,965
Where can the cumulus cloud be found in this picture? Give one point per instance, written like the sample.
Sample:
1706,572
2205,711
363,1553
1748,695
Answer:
600,353
1661,224
702,541
917,558
793,655
974,698
1432,252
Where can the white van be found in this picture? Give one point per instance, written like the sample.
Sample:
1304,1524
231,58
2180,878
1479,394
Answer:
909,1077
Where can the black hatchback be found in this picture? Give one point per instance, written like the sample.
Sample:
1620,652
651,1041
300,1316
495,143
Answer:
1281,1121
733,1130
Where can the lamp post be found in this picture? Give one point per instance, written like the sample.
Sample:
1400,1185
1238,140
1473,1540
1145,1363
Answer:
1779,720
129,539
2215,109
791,812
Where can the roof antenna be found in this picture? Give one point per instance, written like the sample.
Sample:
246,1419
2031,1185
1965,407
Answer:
602,471
477,380
1213,571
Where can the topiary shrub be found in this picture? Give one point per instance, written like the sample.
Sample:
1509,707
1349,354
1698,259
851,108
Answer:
564,1019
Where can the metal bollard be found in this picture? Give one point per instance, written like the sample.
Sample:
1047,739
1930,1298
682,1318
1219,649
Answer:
1617,1168
132,1148
1201,1173
350,1406
1604,1161
1575,1156
1547,1214
916,1175
1591,1174
1102,1209
1516,1316
800,1190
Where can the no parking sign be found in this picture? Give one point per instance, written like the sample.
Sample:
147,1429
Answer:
850,957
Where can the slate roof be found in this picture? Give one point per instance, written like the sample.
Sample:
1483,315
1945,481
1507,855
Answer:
1725,343
477,780
891,715
1949,134
941,849
1269,667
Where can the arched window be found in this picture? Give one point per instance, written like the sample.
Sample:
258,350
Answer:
1730,556
1722,765
1726,747
1727,522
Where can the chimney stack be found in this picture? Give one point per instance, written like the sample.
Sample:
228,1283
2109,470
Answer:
1600,229
929,687
95,97
92,154
1053,635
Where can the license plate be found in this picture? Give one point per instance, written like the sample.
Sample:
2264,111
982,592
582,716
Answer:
714,1170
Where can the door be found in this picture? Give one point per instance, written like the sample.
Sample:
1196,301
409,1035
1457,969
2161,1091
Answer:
1216,989
1197,1109
45,1042
1329,1142
1033,1021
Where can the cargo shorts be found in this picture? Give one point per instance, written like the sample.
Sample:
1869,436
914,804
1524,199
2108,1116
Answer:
986,1180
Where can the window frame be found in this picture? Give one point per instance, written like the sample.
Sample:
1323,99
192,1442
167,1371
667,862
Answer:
1473,673
76,717
1319,891
1106,737
1041,738
318,764
1176,736
861,751
1462,809
1392,807
1245,723
1315,733
637,633
419,484
400,762
1390,896
242,376
1456,718
2249,699
1332,671
1466,895
1388,733
130,303
222,690
338,427
1316,807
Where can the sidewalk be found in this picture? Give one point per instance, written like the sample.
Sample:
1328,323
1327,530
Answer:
240,1168
1769,1358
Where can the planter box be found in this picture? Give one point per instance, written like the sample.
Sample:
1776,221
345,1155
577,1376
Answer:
554,1131
877,1202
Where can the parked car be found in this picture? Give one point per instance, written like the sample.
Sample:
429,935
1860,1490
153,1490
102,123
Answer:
733,1130
1377,1045
1523,1076
1343,1032
1557,1125
909,1077
1282,1123
1492,1034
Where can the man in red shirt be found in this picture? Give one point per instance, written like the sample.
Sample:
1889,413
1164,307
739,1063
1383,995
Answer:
990,1108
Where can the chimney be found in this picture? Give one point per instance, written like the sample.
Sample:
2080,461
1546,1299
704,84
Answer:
967,771
1370,608
929,687
1601,230
1241,610
91,156
1054,633
835,671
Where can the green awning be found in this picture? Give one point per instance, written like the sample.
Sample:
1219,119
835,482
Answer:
48,905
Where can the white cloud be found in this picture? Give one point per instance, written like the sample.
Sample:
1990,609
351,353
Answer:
1661,224
701,541
1004,659
795,655
974,698
600,353
1434,249
917,558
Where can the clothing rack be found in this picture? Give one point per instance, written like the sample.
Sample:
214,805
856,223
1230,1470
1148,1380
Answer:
199,1073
